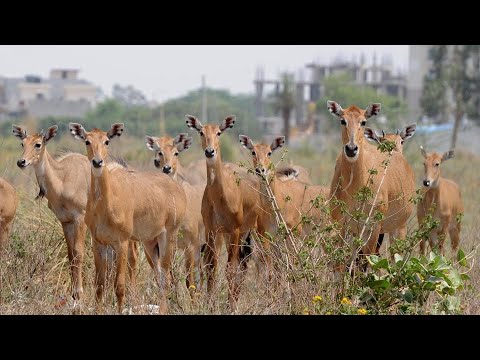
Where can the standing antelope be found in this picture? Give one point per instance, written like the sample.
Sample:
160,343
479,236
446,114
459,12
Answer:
128,205
351,174
444,195
398,138
64,183
8,208
166,158
292,196
229,207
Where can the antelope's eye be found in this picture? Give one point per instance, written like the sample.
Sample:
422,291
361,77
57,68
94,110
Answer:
38,145
201,133
363,123
107,142
176,154
343,122
219,133
437,164
160,153
21,144
87,142
269,154
401,142
254,153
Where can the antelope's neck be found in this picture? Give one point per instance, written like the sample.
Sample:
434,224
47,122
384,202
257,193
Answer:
215,171
100,189
49,172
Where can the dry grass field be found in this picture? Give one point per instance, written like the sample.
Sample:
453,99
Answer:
35,268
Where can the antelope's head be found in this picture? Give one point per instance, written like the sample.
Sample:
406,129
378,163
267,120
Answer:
353,119
398,137
33,145
431,166
97,142
210,134
167,149
262,153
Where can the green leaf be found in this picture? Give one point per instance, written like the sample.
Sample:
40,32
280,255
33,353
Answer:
462,260
380,284
373,259
434,279
464,277
408,296
381,264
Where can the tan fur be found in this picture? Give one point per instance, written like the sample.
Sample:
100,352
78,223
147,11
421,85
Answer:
193,231
8,208
127,205
293,197
350,176
228,208
445,195
64,183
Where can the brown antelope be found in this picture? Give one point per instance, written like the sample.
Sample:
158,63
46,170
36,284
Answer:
8,208
351,174
293,196
229,207
166,151
128,205
398,138
444,198
65,184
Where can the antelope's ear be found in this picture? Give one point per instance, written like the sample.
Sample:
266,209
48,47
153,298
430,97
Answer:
115,130
227,123
19,131
424,153
408,131
372,110
50,133
448,155
184,144
246,142
77,131
335,108
151,143
194,123
277,143
179,138
370,134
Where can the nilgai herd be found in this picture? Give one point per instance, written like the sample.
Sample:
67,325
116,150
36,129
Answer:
122,207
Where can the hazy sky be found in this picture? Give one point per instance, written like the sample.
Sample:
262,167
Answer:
162,72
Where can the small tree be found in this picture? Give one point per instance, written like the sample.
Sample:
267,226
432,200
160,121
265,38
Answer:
454,78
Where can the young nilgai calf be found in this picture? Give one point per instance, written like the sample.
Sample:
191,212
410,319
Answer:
128,205
166,151
8,208
443,197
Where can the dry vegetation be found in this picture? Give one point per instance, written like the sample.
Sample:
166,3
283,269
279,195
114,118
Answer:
35,266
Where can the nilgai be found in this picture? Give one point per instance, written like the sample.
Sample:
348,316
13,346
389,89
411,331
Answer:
166,151
128,205
443,197
360,165
229,207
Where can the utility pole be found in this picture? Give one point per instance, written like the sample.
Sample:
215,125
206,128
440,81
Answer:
204,100
162,120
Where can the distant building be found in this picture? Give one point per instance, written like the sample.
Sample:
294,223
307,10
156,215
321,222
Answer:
62,94
418,66
378,76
